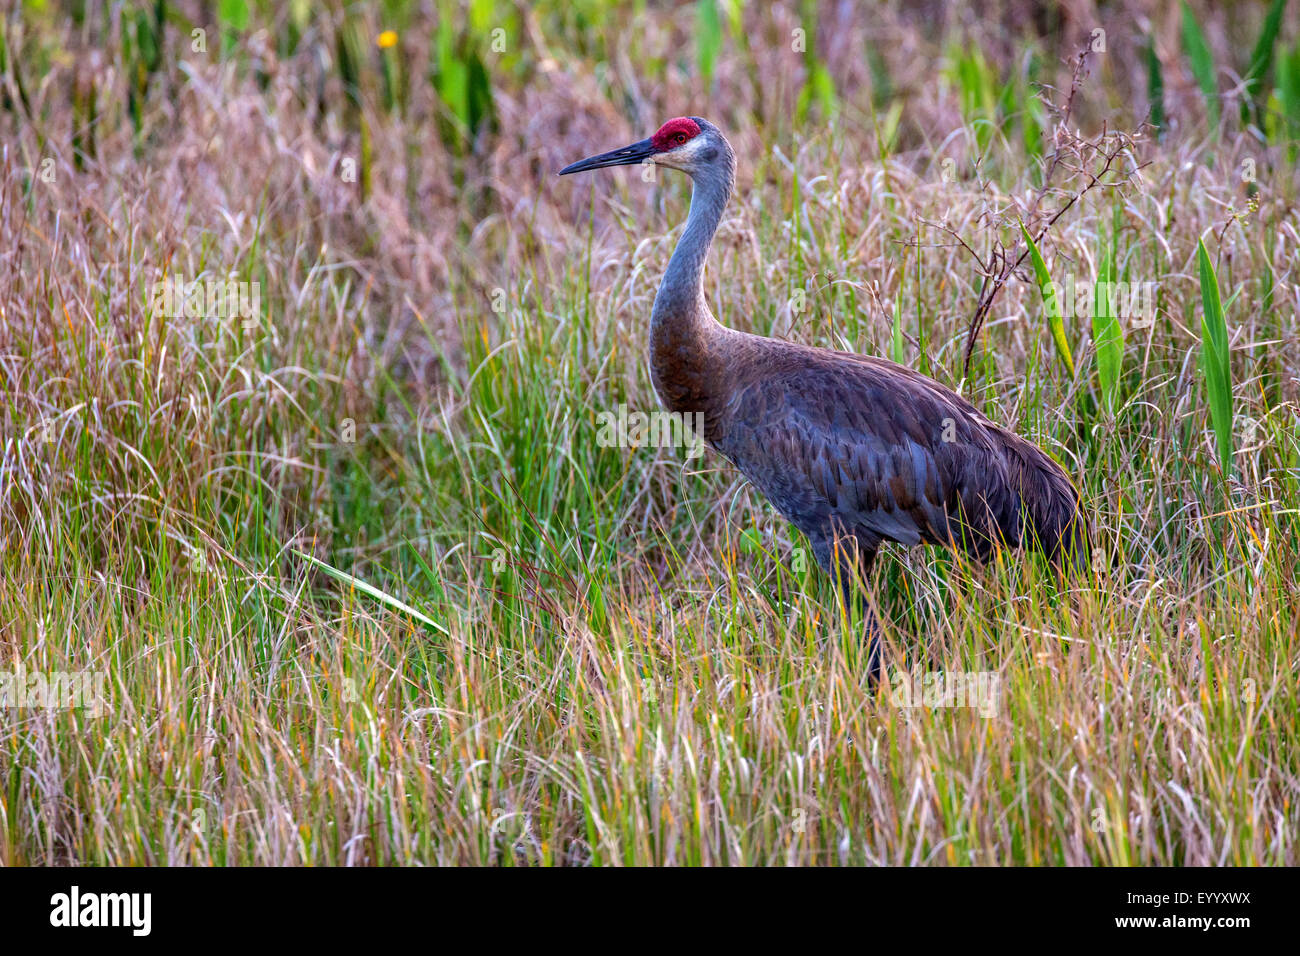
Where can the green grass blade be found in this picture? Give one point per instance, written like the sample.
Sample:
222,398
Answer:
1107,335
1214,358
233,14
1261,62
1155,86
708,38
1198,53
976,80
373,591
896,336
1288,97
1051,305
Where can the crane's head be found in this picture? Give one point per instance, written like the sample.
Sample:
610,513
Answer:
693,145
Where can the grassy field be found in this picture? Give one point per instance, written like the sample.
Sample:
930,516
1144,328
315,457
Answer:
621,655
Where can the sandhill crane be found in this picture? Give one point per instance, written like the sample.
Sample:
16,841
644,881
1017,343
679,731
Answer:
853,450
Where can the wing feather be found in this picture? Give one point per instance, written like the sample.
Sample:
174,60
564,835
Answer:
834,437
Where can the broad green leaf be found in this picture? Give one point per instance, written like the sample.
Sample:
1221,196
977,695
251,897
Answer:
1051,305
1288,97
1215,358
1198,53
1261,60
708,37
233,14
1107,335
1155,86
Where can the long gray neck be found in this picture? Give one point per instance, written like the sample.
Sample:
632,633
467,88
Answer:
679,308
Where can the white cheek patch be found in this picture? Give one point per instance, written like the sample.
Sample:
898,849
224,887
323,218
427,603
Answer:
693,147
683,155
690,150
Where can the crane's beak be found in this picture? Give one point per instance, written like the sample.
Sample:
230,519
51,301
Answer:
627,156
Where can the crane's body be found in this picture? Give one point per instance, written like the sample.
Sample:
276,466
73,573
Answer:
852,450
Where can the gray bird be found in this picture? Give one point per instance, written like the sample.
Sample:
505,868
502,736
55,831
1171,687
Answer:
853,450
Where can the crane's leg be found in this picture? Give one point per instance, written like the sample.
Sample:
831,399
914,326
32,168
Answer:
872,634
847,561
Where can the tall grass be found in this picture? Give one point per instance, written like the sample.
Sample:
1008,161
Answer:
507,642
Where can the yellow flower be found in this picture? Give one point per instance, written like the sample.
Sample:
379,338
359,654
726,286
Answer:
386,39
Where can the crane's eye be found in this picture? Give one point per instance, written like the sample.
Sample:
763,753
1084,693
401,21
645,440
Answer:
680,138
